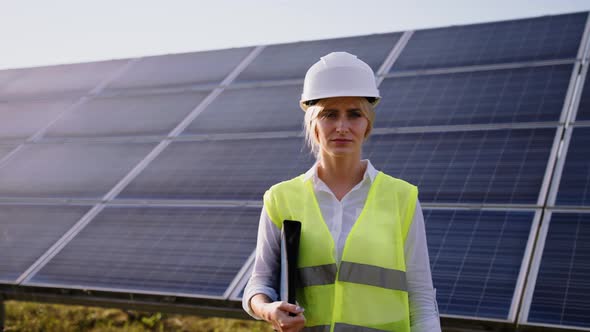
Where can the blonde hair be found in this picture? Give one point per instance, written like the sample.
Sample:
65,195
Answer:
311,116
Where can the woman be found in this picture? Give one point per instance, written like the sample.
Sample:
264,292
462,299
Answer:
363,261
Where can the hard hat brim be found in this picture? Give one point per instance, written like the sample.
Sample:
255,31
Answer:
305,104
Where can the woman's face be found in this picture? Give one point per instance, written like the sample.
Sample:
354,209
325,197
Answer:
341,126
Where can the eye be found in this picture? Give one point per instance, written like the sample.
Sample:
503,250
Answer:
328,115
355,114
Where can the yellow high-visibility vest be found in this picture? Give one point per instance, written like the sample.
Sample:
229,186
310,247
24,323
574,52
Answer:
367,291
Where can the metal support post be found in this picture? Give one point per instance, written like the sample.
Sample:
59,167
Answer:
1,314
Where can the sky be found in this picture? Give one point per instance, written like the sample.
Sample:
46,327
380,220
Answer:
36,32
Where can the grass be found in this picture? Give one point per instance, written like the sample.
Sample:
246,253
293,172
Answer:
36,317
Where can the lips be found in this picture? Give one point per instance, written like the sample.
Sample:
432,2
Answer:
341,140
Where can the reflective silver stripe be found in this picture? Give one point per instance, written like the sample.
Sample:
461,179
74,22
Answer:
373,275
317,275
317,328
341,327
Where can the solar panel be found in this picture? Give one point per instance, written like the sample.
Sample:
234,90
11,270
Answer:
8,75
20,120
534,39
69,170
181,250
153,114
229,169
562,290
574,188
493,167
5,149
272,108
481,97
475,258
28,231
291,61
209,67
195,228
56,80
584,107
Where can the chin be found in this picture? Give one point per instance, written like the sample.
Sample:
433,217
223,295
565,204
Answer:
342,153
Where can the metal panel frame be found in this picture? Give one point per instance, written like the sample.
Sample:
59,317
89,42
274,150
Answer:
549,170
207,307
122,290
393,56
560,327
524,267
561,158
476,318
491,67
298,133
233,291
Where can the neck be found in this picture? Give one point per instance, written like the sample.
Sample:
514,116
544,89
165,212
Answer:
341,173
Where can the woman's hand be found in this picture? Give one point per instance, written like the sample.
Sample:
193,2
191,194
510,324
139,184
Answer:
277,313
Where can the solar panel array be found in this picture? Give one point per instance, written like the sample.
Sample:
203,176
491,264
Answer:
558,297
145,176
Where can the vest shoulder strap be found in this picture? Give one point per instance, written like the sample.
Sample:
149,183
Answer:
405,193
276,193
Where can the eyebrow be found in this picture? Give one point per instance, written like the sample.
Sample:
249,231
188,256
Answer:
335,110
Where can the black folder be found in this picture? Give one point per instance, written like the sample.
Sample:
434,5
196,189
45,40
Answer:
290,235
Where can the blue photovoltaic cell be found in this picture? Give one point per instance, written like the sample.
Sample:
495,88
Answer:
562,290
136,115
27,231
79,79
574,188
496,166
209,67
475,258
80,170
177,250
530,94
22,119
584,107
291,61
260,109
227,169
535,39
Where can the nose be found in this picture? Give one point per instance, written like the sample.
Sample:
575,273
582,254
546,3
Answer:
342,125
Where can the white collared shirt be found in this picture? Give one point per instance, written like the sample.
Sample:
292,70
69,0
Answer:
340,216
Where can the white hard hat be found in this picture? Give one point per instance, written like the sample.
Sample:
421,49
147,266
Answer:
339,74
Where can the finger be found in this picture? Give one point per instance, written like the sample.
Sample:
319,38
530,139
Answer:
290,323
292,308
275,326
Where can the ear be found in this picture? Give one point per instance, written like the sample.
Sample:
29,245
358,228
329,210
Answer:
316,134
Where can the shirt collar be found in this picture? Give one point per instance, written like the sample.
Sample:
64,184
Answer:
370,172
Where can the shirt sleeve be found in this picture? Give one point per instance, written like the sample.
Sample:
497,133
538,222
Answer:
424,316
267,263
